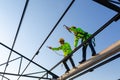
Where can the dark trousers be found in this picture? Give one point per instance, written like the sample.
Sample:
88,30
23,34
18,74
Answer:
65,63
84,48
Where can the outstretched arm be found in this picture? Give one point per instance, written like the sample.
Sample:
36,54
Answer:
58,48
67,28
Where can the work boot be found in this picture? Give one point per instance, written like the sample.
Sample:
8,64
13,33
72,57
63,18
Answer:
82,61
74,67
94,55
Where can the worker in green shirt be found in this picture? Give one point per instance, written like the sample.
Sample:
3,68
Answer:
80,34
66,48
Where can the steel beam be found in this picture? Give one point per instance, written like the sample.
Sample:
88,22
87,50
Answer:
108,4
111,50
52,74
96,66
23,75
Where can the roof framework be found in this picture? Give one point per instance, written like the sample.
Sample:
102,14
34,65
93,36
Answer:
108,3
37,52
111,4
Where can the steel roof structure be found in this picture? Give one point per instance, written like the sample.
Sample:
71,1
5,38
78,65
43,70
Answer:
111,4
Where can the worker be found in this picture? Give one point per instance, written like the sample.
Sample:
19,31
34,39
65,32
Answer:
66,48
81,34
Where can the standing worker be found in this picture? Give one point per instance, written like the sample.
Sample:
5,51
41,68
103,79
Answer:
66,48
80,34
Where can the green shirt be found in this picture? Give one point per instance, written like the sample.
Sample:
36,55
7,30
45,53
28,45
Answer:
66,48
79,34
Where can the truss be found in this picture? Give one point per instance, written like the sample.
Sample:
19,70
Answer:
45,73
21,57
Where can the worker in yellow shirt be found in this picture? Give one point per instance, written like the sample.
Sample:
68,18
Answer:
66,48
80,34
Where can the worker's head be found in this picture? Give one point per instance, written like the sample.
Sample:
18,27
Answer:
73,27
61,40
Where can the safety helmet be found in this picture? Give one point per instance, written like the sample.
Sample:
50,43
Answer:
61,40
73,27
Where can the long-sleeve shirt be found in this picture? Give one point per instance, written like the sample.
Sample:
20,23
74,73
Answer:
66,48
79,34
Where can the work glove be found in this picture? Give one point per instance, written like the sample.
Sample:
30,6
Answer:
49,47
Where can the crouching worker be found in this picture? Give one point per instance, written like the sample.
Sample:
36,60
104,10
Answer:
66,48
80,34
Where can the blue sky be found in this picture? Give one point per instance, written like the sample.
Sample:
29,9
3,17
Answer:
39,19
